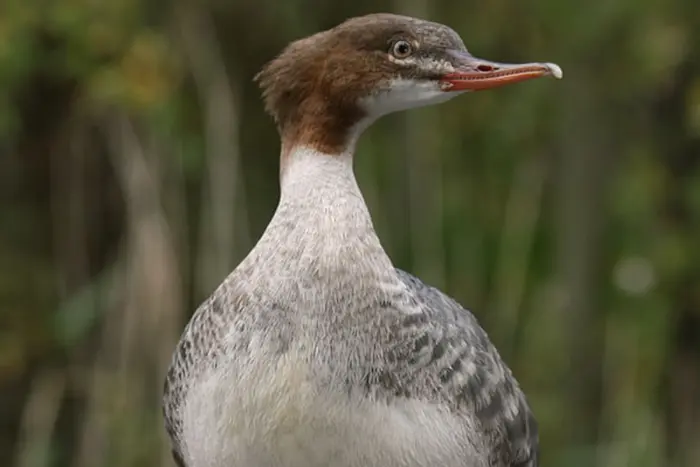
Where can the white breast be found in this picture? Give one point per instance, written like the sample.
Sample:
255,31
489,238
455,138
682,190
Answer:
276,418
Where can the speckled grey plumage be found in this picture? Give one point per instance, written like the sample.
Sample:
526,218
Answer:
317,352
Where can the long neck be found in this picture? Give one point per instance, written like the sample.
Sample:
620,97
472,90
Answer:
322,223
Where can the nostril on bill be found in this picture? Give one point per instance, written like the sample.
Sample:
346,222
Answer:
486,68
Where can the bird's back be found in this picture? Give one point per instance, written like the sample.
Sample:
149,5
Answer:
474,380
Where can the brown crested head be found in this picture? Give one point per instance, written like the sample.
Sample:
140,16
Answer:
321,89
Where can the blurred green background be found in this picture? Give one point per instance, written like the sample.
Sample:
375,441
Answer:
137,168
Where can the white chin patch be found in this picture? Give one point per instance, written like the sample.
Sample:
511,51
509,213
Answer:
403,94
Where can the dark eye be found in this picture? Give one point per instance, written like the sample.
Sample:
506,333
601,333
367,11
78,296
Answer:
401,49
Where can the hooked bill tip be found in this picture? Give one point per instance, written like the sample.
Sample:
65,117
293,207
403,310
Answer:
555,70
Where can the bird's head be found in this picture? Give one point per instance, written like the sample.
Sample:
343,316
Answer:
373,65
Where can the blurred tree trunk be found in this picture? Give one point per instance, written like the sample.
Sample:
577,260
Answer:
142,319
680,151
224,218
586,160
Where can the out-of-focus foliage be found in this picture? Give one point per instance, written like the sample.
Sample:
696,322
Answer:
137,168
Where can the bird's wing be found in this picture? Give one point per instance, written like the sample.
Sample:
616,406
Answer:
451,351
199,342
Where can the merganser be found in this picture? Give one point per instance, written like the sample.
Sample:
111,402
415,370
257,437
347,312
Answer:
316,351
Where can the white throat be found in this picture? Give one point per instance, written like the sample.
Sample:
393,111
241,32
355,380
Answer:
322,221
319,191
308,171
405,94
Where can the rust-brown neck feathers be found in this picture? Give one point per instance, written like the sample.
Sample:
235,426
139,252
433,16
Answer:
311,95
313,87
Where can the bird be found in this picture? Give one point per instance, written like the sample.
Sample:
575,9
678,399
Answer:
316,351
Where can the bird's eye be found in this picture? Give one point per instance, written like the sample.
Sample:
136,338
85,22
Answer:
401,49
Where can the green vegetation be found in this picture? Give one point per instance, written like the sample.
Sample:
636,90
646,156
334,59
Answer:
137,168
